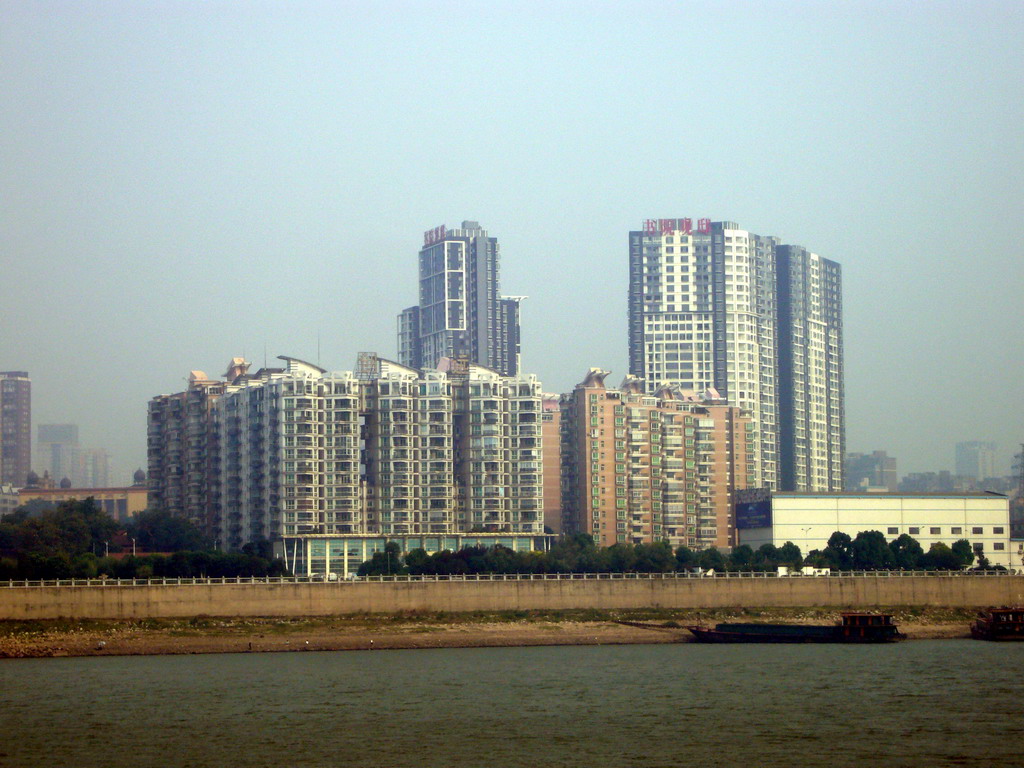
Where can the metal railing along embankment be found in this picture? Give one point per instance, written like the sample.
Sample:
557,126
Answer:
471,577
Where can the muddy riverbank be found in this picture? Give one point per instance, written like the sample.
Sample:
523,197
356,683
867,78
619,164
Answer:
205,634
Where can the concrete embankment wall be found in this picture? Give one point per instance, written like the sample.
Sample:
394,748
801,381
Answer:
321,599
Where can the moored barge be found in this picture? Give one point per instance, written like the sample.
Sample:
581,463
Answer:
999,624
852,628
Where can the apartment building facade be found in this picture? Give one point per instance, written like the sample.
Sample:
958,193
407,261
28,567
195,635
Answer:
551,440
812,432
639,468
714,306
182,445
301,451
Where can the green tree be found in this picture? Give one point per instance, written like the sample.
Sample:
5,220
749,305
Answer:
741,557
686,558
573,554
906,551
940,557
85,566
964,552
31,508
499,559
766,557
712,559
9,568
789,554
385,563
72,528
816,559
839,551
418,562
159,531
655,558
619,558
871,551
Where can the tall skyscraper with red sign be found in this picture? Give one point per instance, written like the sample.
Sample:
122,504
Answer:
461,313
715,306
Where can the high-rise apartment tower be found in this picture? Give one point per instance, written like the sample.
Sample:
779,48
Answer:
639,468
715,306
387,450
460,314
15,427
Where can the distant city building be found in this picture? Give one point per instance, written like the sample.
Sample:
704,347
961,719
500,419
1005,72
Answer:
121,503
460,314
59,454
57,450
936,482
871,471
93,468
976,459
809,519
15,427
639,468
385,451
715,306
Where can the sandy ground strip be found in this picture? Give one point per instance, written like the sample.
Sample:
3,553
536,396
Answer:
268,635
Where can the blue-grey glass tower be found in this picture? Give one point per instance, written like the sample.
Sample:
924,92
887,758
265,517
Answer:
461,312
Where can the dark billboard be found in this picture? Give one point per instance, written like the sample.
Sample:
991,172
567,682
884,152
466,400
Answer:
753,509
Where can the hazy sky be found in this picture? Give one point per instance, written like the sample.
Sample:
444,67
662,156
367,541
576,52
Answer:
185,182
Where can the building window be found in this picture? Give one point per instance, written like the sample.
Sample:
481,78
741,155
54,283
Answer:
999,546
915,531
997,530
935,531
956,531
894,530
976,530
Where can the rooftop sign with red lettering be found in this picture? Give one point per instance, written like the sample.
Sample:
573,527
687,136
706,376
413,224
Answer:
435,235
668,226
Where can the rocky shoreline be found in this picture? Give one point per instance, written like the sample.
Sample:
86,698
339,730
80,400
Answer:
203,634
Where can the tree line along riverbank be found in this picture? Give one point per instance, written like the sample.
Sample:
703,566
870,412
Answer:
76,539
410,630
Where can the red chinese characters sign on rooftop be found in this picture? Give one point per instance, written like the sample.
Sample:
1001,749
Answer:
668,226
435,235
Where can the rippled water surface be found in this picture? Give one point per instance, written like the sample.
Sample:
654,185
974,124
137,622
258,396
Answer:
924,703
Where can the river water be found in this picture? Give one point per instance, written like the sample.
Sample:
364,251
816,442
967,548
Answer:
921,703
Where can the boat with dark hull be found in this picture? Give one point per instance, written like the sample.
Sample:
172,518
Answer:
852,628
999,624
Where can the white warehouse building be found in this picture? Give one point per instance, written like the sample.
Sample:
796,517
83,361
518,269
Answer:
809,519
